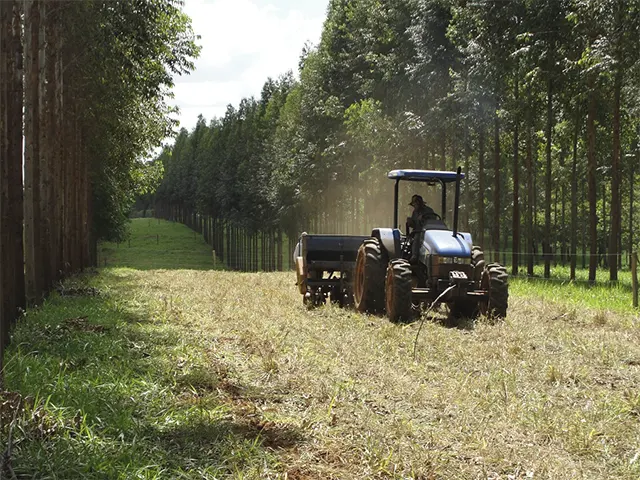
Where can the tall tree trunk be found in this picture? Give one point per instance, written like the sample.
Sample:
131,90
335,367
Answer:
591,181
516,185
496,185
52,144
546,248
12,294
443,149
530,197
574,196
466,198
632,174
60,147
481,191
6,293
583,216
559,225
616,221
44,150
14,113
32,220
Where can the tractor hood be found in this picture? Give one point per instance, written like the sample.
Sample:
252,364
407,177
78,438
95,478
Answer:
443,243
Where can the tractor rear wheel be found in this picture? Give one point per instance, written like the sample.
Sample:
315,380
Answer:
398,291
368,287
495,280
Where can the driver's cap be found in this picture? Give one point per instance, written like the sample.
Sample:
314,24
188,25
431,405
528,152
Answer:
416,200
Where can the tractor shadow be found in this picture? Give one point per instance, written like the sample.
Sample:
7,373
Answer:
442,316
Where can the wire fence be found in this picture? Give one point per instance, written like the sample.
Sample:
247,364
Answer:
528,267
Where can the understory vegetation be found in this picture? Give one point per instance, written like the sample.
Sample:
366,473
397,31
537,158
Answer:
133,372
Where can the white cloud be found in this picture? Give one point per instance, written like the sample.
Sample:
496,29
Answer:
243,43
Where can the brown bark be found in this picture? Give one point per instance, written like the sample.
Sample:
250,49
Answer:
591,182
59,125
481,191
530,198
44,151
574,196
516,187
632,173
546,246
5,289
12,296
32,221
496,185
615,181
443,149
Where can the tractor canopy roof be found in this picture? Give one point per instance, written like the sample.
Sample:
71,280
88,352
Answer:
431,176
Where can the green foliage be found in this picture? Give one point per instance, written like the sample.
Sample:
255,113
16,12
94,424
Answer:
422,83
125,56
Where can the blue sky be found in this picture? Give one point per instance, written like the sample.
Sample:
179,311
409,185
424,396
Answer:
243,42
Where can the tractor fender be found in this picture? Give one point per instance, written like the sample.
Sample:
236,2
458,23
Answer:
297,251
299,262
390,241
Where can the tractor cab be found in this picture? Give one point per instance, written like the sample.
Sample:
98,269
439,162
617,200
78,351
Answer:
413,234
431,178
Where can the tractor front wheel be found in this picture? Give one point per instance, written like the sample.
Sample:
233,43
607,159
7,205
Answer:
398,291
477,263
495,280
368,287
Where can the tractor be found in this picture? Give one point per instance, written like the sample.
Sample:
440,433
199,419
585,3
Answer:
449,269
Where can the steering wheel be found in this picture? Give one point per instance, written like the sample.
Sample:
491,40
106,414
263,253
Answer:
434,214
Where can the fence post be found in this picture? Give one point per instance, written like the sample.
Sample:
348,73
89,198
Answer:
634,278
213,252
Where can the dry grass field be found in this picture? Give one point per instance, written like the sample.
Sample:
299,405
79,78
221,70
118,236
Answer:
172,373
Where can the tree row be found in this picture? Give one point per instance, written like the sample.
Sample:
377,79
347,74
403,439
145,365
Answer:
84,83
537,100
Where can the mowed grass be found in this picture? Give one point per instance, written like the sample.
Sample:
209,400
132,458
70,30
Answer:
155,244
212,374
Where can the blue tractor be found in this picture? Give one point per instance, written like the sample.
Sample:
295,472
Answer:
448,270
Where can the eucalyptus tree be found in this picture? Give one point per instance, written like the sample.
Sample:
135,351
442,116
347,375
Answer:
12,297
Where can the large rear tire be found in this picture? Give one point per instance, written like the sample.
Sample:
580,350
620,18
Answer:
398,291
368,287
495,279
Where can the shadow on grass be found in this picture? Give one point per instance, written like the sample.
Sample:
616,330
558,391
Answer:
114,401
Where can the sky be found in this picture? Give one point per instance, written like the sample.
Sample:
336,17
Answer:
243,43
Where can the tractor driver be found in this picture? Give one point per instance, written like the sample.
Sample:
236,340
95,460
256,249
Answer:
419,217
